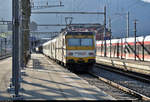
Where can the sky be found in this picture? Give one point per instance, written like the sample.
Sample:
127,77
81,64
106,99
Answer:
116,10
146,1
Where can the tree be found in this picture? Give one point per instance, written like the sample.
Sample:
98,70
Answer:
26,33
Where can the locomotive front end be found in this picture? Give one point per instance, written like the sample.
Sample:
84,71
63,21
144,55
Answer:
80,53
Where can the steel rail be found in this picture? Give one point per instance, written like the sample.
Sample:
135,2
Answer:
123,72
132,92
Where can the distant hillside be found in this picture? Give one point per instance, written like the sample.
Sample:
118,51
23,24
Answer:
138,10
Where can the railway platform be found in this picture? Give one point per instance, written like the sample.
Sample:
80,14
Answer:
43,79
127,65
5,75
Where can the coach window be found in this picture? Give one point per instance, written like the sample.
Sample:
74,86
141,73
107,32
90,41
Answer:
63,42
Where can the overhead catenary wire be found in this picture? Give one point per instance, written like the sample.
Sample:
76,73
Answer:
107,2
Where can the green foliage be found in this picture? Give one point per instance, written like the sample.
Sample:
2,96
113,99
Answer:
27,13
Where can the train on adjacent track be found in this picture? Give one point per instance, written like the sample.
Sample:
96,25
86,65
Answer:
75,50
125,48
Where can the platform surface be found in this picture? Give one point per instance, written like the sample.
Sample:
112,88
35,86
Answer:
5,75
43,79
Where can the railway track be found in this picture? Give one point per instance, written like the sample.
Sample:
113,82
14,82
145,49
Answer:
138,76
126,91
119,95
132,84
113,91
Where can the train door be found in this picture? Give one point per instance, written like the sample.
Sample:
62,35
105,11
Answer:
125,49
118,49
63,49
121,46
138,52
102,52
51,50
55,49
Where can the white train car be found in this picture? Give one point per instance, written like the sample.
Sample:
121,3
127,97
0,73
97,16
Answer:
125,48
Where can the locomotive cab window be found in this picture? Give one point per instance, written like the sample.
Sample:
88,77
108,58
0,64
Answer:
87,42
73,42
80,42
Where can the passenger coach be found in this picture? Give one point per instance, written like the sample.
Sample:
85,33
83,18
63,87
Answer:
76,50
125,48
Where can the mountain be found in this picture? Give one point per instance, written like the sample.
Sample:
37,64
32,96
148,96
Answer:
139,9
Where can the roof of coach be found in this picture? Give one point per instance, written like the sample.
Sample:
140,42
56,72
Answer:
131,39
147,38
53,40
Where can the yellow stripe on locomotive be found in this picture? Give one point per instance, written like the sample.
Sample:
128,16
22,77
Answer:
81,60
